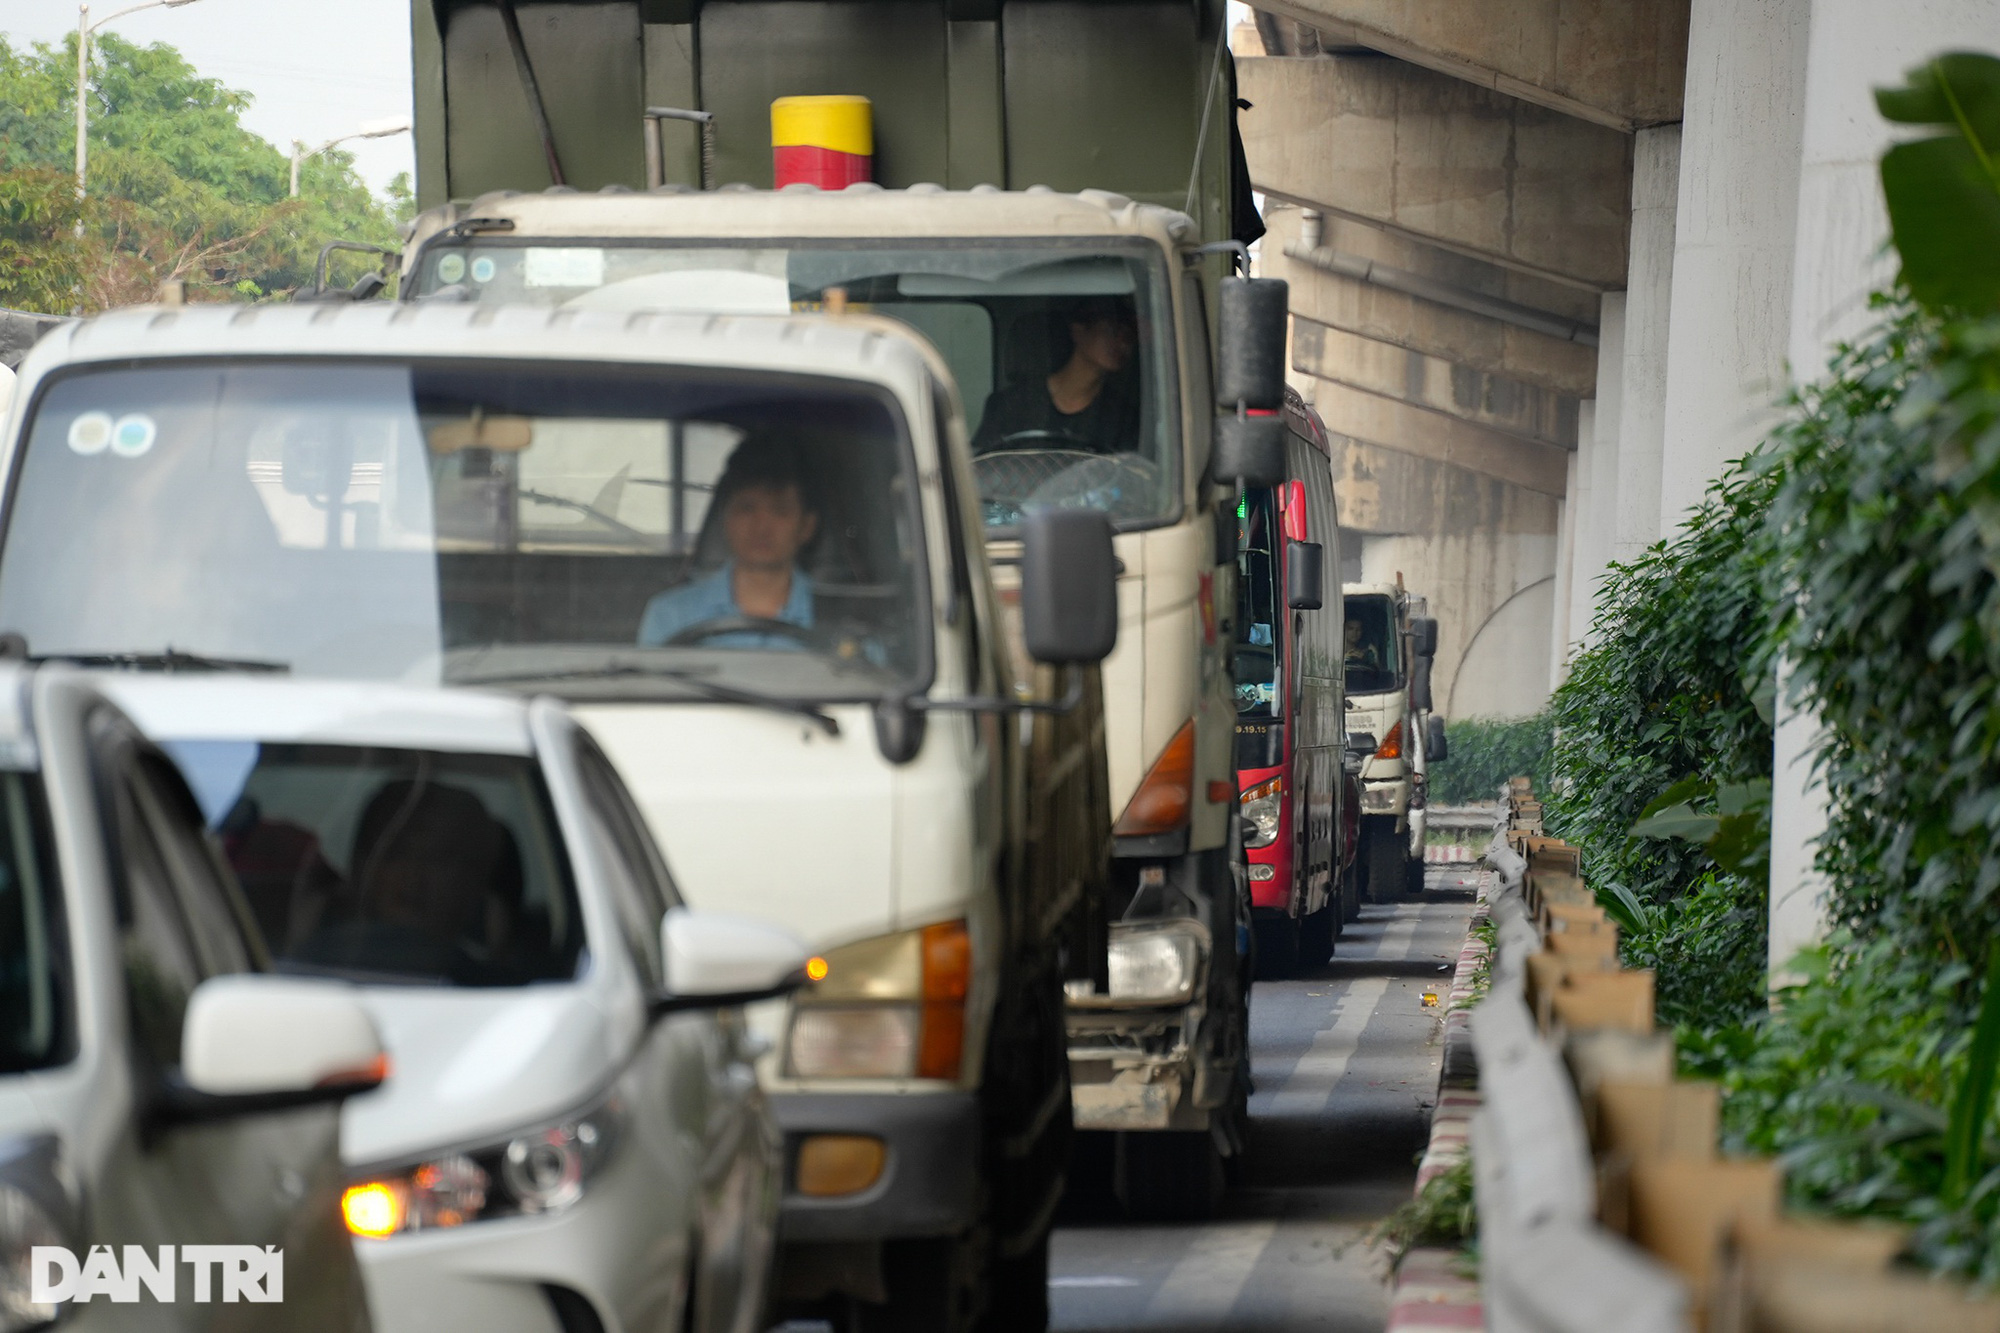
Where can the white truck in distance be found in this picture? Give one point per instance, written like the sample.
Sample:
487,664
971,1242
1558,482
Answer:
1389,645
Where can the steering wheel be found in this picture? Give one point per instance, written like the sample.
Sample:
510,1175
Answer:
784,629
1043,439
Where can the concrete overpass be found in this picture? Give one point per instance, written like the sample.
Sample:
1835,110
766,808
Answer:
1555,263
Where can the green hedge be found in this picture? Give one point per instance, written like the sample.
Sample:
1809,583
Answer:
1484,752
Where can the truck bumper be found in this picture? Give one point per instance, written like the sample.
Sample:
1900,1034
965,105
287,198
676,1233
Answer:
929,1184
1389,798
1135,1069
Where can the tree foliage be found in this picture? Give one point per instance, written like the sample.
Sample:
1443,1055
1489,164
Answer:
178,189
1485,752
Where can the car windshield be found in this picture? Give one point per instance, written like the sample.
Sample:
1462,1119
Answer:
600,528
1370,645
34,987
1259,627
393,866
1062,351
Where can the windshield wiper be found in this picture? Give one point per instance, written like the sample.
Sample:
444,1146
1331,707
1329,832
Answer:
728,694
167,659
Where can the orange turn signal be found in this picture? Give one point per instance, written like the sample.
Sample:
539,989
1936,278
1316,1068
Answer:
374,1210
1392,744
817,969
1162,801
947,949
835,1164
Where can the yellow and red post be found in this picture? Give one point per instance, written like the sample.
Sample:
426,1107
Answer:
823,141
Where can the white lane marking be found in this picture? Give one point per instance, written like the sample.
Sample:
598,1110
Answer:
1310,1084
1211,1275
1094,1280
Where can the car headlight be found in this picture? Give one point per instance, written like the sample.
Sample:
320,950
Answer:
24,1224
1155,963
888,1007
1378,797
1260,805
541,1170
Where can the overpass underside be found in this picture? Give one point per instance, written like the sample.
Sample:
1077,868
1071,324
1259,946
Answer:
1459,196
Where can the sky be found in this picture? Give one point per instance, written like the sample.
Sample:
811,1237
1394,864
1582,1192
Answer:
315,70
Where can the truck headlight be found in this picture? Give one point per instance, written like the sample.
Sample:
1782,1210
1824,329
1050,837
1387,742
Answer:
24,1224
888,1007
1155,963
1260,805
541,1170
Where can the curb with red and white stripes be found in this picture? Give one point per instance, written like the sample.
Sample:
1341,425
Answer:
1434,1292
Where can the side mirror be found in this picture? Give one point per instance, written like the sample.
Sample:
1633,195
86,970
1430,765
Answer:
717,958
1249,450
1351,762
1250,368
252,1035
1305,576
1435,749
1069,586
1420,685
1424,636
1225,528
1361,743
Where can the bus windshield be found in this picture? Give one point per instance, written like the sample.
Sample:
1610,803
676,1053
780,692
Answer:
1064,352
1373,664
593,530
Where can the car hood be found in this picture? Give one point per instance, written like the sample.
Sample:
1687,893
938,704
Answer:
467,1066
763,814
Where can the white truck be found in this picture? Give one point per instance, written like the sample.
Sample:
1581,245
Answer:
597,507
1389,645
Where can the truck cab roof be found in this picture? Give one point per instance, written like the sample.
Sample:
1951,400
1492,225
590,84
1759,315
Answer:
859,210
846,346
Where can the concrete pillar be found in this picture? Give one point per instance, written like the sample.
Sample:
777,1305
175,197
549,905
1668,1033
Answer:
1853,47
1733,236
1566,558
1648,302
1596,503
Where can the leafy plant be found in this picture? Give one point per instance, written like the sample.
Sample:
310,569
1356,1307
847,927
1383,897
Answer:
1943,191
1485,752
1443,1212
1736,833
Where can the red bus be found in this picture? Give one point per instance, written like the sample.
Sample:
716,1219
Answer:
1290,724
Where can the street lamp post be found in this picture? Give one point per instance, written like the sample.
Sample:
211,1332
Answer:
84,27
374,129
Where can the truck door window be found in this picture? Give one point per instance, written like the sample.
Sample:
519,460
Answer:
1369,645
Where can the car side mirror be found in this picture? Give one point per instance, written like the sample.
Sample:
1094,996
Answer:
1305,576
1069,586
1249,449
714,959
1250,365
1420,685
257,1036
1424,633
1361,743
1435,749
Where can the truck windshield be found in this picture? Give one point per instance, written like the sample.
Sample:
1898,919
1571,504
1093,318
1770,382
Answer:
1064,352
587,529
1259,626
393,866
1370,639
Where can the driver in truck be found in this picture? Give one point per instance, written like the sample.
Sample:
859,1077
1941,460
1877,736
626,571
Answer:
766,522
1089,404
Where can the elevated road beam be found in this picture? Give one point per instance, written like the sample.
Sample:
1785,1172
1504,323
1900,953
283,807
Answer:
1535,415
1618,63
1468,339
1405,428
1443,161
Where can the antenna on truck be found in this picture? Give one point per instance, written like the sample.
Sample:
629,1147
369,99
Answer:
656,149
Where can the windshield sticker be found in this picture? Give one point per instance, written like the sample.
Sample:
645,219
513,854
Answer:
563,266
451,268
90,432
482,269
133,435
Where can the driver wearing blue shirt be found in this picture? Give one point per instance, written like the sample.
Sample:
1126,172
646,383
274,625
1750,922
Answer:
766,521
